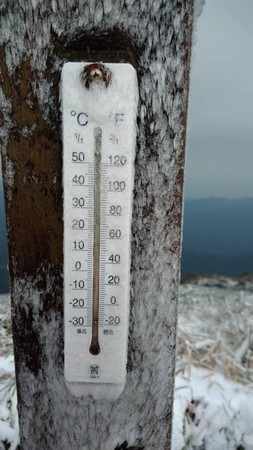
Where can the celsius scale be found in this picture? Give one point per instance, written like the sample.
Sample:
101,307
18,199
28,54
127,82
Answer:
99,106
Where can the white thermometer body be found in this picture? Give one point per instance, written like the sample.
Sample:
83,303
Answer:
99,136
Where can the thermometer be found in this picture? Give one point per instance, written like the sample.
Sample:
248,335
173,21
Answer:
99,104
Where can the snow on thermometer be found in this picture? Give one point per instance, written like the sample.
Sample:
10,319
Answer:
99,104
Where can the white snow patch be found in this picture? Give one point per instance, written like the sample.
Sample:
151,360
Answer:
211,411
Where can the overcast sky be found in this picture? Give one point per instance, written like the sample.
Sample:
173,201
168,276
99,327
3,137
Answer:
220,138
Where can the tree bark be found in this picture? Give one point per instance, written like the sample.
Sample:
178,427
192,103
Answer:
36,38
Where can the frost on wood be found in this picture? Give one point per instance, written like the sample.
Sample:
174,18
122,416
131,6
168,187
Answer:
36,38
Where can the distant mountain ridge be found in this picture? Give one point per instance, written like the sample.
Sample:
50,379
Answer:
218,236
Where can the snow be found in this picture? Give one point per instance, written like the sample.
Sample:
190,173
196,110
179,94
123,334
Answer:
211,410
9,431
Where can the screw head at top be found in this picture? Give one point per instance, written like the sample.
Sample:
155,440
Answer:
95,73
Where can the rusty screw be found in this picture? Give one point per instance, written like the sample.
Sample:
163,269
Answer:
95,73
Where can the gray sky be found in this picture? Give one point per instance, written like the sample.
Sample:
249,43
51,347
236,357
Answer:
220,137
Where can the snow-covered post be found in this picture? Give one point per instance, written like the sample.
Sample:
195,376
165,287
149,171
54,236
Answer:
36,38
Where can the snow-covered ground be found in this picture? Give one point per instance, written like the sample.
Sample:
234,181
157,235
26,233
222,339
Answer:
213,408
9,434
212,412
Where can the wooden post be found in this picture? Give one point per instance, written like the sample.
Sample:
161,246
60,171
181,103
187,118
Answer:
36,38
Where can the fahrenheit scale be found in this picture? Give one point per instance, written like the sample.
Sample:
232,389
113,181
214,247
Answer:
99,104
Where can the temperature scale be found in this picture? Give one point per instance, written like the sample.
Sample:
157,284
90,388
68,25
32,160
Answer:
99,104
